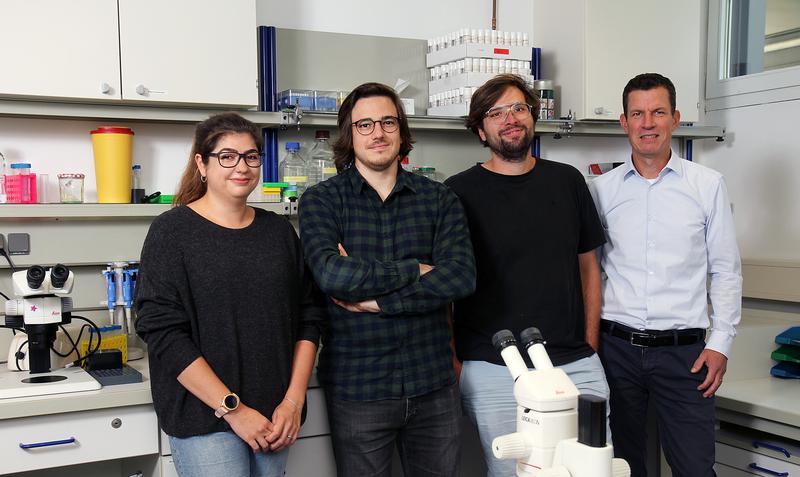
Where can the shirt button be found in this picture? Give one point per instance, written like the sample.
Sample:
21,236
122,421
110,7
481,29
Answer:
651,244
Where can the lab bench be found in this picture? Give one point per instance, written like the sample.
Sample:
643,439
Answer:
759,415
115,430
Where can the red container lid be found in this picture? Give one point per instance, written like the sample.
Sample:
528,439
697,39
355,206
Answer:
113,130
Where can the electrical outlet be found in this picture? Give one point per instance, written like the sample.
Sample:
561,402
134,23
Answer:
19,244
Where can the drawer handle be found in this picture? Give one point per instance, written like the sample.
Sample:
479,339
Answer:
34,445
755,466
767,445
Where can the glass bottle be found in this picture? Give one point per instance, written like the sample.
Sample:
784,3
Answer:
320,159
293,170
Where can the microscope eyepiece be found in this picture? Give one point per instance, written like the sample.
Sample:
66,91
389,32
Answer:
59,275
35,276
503,339
531,336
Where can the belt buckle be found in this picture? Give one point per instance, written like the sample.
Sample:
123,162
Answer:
635,334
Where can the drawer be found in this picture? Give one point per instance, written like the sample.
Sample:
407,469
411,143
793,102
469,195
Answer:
749,461
168,467
725,471
316,419
77,437
759,442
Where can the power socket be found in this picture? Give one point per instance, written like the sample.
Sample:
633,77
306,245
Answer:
19,244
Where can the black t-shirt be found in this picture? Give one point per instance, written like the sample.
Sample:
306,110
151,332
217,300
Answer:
527,232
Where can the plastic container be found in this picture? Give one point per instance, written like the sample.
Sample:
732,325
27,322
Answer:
2,178
137,191
113,147
296,97
21,184
325,101
547,98
112,337
294,171
70,188
320,159
42,188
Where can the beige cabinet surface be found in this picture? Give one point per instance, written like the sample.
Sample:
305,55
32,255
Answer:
592,48
197,52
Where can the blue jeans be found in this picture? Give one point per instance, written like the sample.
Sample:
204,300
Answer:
425,429
224,454
487,392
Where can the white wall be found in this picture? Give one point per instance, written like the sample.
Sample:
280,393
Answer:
760,160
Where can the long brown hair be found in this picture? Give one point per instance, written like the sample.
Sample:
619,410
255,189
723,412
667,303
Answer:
343,153
206,136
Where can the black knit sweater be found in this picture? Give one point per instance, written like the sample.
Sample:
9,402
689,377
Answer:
240,298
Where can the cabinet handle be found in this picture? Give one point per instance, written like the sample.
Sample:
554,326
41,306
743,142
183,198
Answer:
141,90
767,445
757,467
34,445
105,88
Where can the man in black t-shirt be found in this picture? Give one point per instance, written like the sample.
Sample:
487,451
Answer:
534,230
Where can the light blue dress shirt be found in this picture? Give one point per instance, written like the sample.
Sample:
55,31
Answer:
671,246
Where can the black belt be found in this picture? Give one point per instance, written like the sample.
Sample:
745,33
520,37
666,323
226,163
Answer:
648,338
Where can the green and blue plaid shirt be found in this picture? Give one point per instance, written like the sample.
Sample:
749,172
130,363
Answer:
404,350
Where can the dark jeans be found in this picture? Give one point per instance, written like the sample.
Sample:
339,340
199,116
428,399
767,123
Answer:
685,418
425,430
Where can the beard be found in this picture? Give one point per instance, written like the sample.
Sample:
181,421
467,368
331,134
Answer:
509,149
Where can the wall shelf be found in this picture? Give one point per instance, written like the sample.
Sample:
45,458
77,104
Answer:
15,212
123,112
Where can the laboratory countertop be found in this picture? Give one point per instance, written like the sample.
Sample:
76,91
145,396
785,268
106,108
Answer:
106,397
748,388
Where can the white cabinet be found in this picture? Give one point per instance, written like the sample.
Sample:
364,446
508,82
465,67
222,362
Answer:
56,440
189,51
179,52
59,49
591,48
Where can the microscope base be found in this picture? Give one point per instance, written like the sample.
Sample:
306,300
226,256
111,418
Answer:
14,384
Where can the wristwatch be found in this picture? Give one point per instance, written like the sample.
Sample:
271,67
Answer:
229,403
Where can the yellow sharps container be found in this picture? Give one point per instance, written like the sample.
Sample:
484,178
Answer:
113,147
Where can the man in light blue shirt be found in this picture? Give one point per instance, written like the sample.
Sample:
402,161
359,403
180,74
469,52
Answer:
671,245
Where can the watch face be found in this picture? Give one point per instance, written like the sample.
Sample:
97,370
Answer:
231,401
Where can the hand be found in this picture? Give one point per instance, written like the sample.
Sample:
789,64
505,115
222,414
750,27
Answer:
716,363
342,251
251,426
286,425
369,306
424,268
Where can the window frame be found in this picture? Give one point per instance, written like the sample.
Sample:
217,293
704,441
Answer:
756,88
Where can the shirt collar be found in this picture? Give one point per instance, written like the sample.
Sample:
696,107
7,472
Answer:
675,164
359,184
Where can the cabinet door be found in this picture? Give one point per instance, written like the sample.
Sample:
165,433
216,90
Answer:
628,37
58,49
189,51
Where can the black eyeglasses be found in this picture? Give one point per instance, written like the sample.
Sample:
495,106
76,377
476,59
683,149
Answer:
365,126
229,159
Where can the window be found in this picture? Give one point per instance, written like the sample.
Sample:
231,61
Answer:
754,46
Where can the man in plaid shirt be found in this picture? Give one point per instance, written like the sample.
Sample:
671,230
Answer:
391,250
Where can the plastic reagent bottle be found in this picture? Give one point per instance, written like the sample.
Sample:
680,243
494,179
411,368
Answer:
320,160
293,168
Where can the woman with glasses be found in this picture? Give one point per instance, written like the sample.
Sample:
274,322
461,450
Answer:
229,313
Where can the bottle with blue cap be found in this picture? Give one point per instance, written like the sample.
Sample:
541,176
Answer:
293,171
